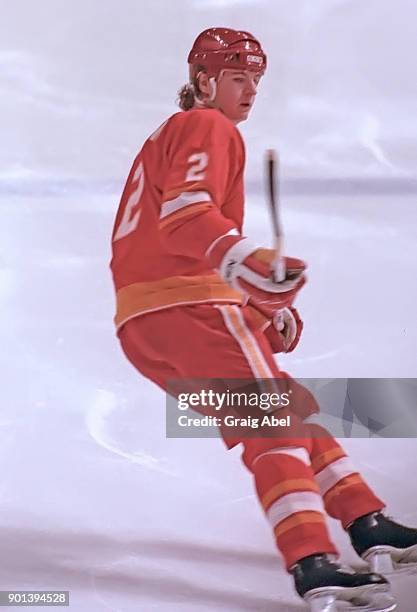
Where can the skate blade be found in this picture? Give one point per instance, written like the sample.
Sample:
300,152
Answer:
387,560
358,599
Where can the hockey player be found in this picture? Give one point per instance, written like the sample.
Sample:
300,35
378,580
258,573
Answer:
196,299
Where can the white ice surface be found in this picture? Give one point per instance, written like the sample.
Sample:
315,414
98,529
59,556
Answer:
93,497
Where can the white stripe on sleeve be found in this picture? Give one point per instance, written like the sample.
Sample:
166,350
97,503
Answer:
184,199
297,452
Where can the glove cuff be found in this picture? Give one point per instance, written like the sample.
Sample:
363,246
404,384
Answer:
228,252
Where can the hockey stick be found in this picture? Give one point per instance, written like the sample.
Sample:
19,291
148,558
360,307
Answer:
278,265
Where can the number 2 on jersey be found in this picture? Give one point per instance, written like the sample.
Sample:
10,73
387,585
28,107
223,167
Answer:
129,223
129,220
196,172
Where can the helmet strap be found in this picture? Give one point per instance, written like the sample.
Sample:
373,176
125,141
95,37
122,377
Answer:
213,87
212,81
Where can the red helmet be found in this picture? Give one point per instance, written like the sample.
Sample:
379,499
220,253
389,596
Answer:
219,48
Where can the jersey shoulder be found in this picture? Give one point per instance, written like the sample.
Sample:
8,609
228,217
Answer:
208,121
207,128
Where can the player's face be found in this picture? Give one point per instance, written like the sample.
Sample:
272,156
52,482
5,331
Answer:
236,91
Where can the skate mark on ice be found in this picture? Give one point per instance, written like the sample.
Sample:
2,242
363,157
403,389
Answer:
130,576
370,139
104,404
237,500
99,597
133,583
193,551
381,471
320,356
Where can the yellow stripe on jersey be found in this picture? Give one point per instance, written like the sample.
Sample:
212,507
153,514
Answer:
139,298
170,195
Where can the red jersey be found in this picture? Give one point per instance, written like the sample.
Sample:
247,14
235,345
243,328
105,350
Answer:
185,190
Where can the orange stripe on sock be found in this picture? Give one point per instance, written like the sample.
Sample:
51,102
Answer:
343,484
322,461
301,518
289,486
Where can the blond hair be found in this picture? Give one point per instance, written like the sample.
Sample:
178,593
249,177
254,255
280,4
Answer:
189,92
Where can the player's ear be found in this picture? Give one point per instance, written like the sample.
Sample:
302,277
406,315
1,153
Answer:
203,83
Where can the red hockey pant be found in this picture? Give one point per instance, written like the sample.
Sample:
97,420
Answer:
297,480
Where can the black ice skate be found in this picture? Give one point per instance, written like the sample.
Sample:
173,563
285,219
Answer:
385,545
328,587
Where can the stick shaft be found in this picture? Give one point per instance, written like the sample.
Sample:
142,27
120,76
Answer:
278,267
273,191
